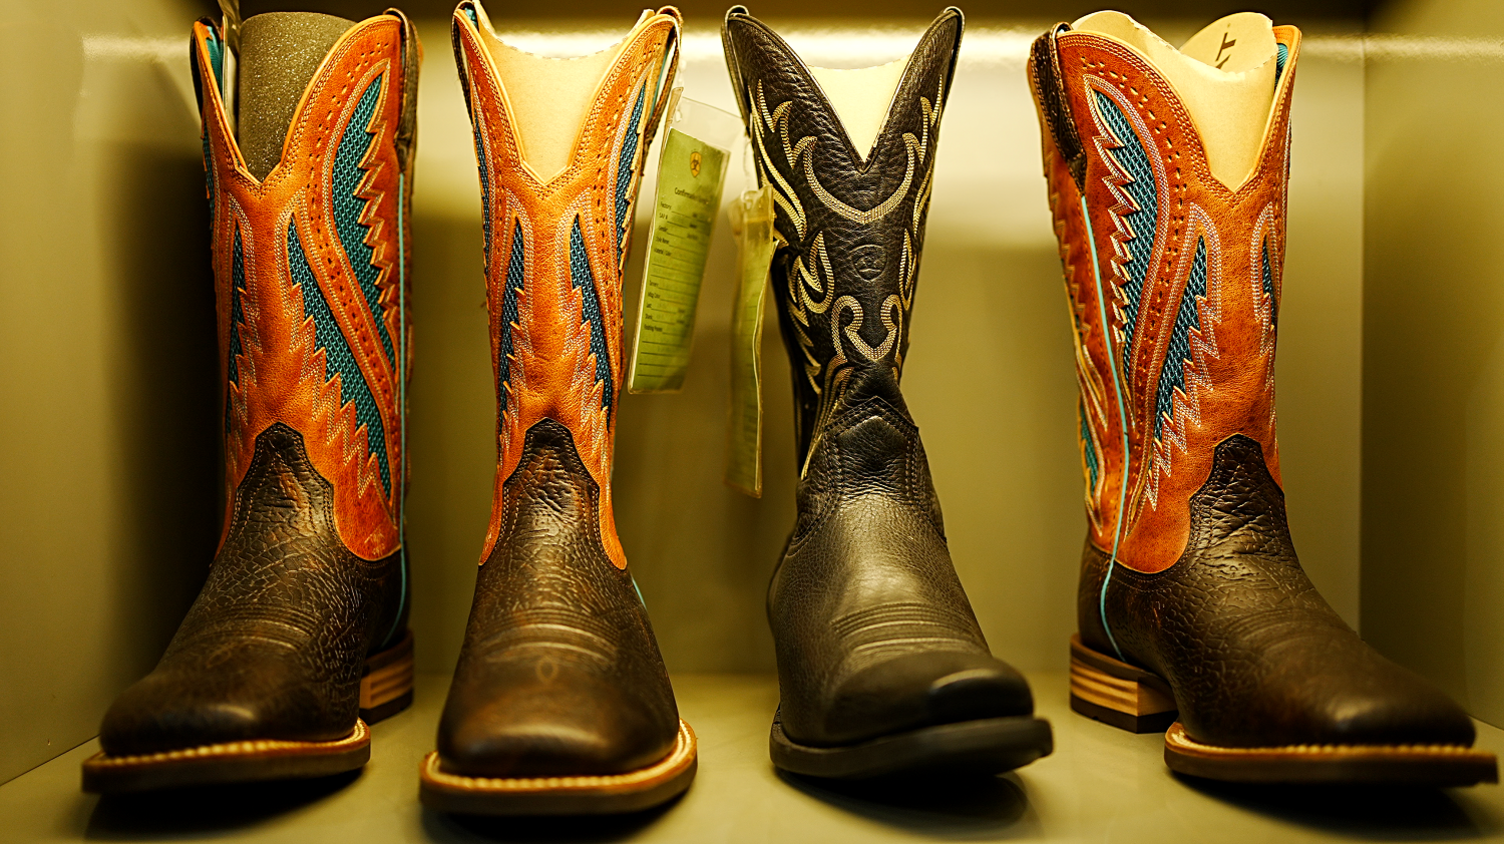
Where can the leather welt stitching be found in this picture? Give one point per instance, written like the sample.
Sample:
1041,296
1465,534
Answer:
259,747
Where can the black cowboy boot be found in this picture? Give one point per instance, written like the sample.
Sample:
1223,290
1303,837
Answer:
882,667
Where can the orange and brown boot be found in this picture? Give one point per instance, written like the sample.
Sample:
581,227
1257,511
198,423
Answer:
299,638
560,703
1167,173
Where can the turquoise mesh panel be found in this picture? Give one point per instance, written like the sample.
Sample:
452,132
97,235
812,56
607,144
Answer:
581,278
485,195
339,359
509,316
216,58
237,316
208,171
626,165
474,18
1131,156
353,146
1268,279
1281,55
1088,447
1187,317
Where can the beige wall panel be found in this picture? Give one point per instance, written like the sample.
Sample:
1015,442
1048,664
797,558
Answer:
1433,562
108,427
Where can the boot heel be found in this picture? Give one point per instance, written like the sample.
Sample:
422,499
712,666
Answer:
1117,693
386,687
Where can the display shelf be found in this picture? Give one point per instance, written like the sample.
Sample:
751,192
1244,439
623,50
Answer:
1100,785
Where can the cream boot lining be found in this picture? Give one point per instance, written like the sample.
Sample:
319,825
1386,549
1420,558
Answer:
861,98
549,98
1224,75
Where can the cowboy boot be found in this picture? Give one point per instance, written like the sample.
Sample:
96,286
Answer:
560,703
299,638
1167,173
882,667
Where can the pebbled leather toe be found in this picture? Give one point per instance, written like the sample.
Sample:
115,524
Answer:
255,698
921,690
560,673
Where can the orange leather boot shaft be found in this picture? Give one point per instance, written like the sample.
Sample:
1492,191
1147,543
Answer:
1173,281
311,266
554,251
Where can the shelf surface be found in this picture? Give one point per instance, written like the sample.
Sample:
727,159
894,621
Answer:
1101,784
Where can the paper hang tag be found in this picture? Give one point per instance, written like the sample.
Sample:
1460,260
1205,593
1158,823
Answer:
691,173
752,225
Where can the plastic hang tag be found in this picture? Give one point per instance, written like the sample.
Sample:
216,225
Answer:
752,225
691,174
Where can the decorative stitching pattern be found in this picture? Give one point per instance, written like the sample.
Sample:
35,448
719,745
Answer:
1182,405
510,318
1089,456
583,280
1187,319
355,205
1136,181
237,318
625,171
339,360
811,279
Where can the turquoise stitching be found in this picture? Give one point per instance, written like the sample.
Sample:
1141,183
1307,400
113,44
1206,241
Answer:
1117,389
401,405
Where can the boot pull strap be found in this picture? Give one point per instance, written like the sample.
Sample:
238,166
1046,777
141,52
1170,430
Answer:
666,76
1044,63
412,60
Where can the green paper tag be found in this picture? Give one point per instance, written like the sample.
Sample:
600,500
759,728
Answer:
690,175
752,224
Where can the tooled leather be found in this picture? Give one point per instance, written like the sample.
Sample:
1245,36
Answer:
309,577
1205,588
1226,372
866,608
551,370
282,369
870,622
849,223
559,673
275,644
1252,652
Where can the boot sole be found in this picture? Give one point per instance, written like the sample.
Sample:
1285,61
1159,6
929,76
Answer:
1118,694
1415,764
985,746
633,791
1129,698
385,689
